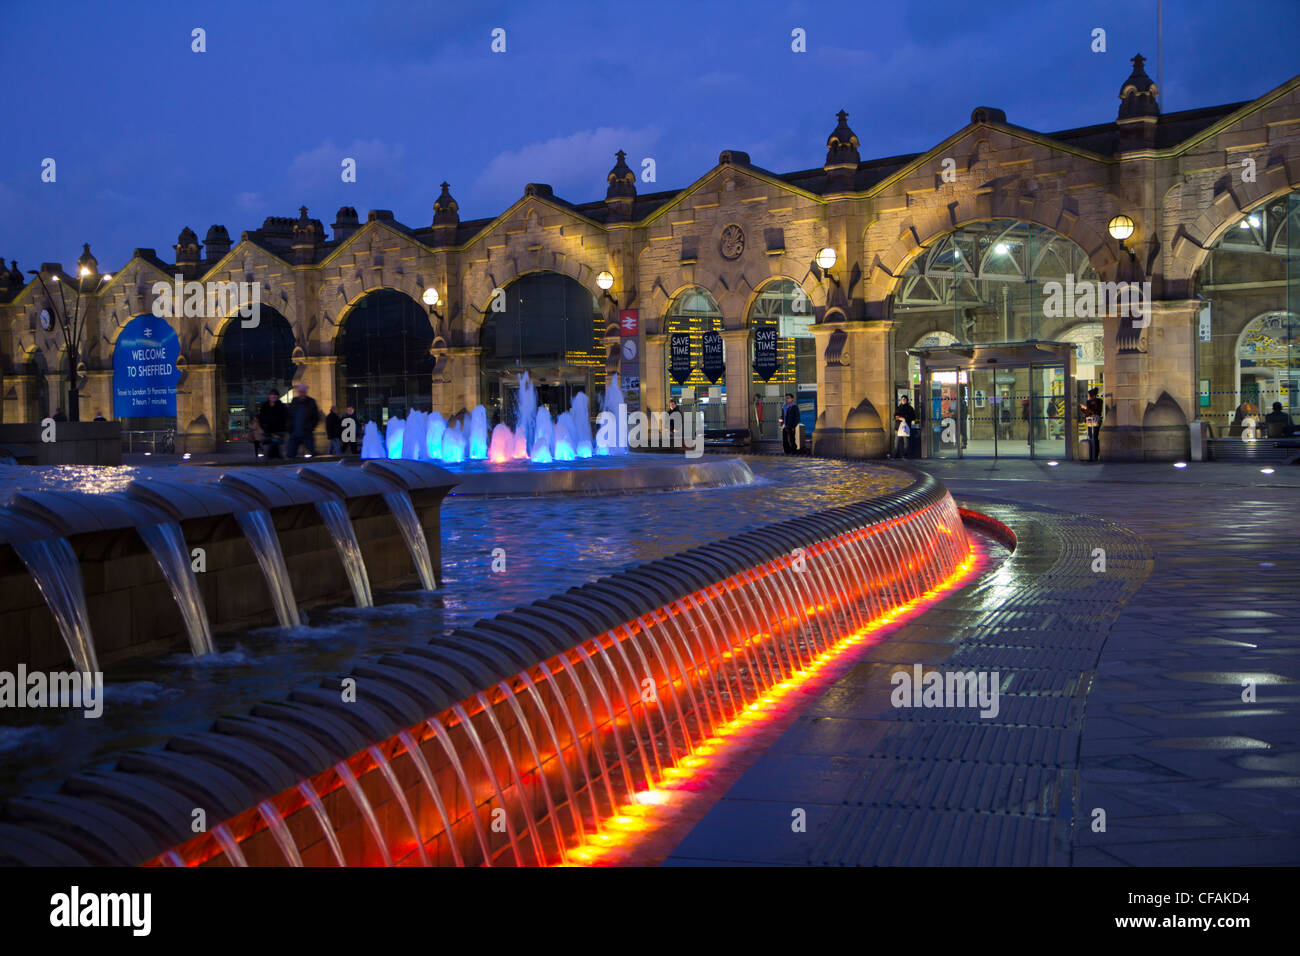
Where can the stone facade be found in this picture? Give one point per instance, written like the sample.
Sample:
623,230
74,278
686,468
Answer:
1184,179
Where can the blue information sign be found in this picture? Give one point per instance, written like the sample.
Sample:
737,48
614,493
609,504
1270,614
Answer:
144,369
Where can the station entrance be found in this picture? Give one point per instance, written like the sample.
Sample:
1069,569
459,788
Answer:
1006,400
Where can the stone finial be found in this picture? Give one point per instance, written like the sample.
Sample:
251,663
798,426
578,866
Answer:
445,208
346,222
621,179
187,248
1138,94
842,144
216,244
87,261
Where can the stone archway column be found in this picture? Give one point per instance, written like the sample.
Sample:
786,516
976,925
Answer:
854,389
97,395
321,376
20,406
735,349
458,385
1151,384
198,420
654,374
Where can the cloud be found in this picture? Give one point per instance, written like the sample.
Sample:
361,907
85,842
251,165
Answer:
323,165
250,202
576,164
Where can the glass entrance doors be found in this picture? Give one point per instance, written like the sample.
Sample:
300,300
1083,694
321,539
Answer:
1007,412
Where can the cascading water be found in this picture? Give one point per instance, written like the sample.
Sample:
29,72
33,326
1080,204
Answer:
334,513
478,431
372,443
543,438
502,447
167,543
525,416
413,446
564,450
53,565
261,536
433,431
399,503
611,438
393,437
581,411
453,444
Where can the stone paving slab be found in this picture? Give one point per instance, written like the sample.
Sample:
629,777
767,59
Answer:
945,786
1141,667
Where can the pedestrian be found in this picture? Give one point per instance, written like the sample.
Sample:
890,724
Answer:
903,436
789,422
907,413
348,429
99,417
274,421
255,435
334,432
758,415
1093,409
304,416
59,416
674,417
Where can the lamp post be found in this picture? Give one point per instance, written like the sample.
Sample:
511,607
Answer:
72,326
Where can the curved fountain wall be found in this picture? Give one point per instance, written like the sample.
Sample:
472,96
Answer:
114,566
508,742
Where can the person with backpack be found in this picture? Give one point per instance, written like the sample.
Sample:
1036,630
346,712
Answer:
1093,409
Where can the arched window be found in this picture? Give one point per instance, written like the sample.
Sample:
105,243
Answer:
787,365
253,360
550,328
1247,346
384,360
694,323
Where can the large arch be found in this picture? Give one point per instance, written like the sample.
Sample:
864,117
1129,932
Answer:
251,361
549,325
382,349
1248,346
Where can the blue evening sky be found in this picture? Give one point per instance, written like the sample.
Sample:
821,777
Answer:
149,136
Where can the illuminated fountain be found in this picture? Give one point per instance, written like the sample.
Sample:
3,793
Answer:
536,436
527,738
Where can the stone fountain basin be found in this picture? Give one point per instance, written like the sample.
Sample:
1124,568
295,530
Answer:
614,474
131,607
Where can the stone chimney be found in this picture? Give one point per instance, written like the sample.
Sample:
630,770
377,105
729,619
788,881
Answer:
216,244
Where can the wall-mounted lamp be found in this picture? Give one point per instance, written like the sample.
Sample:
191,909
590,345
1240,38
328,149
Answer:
1120,228
826,262
606,282
431,299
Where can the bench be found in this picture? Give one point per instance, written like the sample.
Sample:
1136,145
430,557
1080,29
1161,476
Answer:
1257,449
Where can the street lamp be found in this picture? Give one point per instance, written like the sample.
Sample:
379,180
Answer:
431,299
1120,228
826,260
72,326
606,282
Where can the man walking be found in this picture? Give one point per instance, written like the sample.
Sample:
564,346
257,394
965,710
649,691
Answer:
334,432
304,416
274,421
1092,410
789,422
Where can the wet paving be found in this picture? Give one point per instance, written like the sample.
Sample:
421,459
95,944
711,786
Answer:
1149,712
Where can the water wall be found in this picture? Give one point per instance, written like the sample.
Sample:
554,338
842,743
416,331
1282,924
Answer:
62,551
514,741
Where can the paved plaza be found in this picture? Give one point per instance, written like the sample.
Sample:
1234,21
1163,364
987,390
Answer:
1127,733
